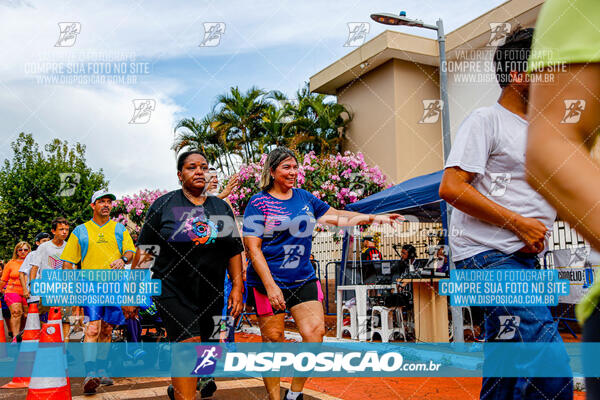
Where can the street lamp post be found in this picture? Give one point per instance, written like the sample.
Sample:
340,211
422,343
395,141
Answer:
402,19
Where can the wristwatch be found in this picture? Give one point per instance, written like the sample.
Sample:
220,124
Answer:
125,260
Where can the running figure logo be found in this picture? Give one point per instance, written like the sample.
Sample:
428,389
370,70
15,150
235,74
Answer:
508,326
149,254
306,209
498,33
207,360
500,182
357,33
573,110
293,254
68,183
68,33
431,111
212,34
142,110
356,183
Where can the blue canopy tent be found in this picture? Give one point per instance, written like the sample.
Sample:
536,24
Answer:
417,197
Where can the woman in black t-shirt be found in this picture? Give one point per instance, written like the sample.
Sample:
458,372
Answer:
196,239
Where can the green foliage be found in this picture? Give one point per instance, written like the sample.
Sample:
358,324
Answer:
247,124
31,188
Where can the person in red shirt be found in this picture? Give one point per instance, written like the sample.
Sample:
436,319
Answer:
10,285
371,253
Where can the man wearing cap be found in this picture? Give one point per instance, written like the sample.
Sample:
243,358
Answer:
99,244
371,253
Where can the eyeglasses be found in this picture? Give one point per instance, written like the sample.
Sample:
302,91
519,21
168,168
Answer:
24,249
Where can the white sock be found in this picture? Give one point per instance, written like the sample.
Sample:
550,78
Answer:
292,395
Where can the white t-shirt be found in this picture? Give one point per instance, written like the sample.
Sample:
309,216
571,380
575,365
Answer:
49,256
30,260
491,142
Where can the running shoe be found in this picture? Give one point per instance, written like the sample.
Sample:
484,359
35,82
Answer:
137,354
171,392
90,384
207,389
104,379
300,396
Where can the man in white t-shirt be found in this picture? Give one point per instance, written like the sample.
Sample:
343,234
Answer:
30,260
48,254
500,221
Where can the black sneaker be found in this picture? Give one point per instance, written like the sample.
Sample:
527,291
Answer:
90,384
171,392
300,396
208,389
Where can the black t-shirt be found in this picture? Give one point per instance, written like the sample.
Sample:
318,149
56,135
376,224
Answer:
195,245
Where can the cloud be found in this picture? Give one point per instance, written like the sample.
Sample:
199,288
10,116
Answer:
271,44
133,156
163,30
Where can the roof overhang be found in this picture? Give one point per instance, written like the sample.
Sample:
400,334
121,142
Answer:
397,45
382,48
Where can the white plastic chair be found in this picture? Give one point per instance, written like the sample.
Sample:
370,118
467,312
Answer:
388,325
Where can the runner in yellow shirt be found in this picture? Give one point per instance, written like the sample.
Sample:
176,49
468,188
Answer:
99,244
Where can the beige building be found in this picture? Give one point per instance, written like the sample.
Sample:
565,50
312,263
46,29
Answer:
389,80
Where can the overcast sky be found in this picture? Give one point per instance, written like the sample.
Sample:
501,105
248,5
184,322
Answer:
54,85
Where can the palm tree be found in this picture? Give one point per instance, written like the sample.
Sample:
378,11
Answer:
238,116
320,125
247,124
278,122
201,135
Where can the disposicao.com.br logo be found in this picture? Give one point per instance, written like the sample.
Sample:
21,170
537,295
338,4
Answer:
350,362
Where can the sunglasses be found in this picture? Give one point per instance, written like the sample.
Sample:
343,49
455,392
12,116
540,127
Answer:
23,249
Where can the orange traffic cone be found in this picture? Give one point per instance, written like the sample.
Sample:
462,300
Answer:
55,317
32,324
50,357
27,350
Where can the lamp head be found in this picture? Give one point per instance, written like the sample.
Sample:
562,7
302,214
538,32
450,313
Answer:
393,19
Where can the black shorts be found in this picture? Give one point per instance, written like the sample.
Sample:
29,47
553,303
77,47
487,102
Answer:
591,334
183,322
309,291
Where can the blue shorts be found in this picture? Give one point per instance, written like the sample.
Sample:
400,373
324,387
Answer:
110,314
518,324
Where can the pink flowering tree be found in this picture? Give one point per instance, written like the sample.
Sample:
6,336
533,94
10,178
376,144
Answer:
131,210
338,180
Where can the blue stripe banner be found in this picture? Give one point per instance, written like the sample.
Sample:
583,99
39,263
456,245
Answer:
329,359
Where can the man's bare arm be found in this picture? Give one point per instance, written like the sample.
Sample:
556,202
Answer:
558,161
23,280
457,190
33,272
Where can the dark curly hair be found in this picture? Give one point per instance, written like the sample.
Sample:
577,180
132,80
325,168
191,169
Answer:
512,55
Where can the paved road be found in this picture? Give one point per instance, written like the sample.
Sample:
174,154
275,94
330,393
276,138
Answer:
156,389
